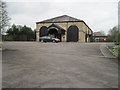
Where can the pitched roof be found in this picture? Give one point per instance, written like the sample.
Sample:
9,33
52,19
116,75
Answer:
60,29
63,18
54,25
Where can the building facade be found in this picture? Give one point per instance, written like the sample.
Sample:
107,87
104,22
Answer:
99,37
66,28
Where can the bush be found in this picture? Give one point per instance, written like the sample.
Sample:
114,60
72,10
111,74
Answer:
117,43
20,33
8,38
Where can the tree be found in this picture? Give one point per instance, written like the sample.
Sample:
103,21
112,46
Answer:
14,32
4,19
114,34
27,33
21,33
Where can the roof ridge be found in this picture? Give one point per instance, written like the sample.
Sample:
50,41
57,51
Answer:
62,18
54,17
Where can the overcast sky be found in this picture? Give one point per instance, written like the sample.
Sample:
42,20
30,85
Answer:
100,15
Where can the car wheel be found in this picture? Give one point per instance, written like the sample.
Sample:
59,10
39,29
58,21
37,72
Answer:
53,41
56,41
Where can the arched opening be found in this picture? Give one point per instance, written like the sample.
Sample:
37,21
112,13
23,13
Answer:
53,33
43,31
72,34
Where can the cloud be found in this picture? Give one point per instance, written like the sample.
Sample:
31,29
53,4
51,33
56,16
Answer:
61,0
98,15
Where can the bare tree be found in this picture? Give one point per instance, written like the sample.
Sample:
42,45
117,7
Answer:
4,19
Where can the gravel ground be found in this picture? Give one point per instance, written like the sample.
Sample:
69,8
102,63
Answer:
57,65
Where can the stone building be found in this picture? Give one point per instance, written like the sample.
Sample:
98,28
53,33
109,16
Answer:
66,28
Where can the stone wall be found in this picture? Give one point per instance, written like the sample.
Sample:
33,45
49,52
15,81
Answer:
83,30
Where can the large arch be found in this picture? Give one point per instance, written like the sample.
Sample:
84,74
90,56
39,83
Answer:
43,31
72,34
56,31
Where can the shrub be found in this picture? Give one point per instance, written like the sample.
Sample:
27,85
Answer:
117,43
8,38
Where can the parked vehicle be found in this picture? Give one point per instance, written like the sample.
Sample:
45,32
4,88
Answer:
49,39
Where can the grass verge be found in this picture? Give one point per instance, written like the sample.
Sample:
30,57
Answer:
115,50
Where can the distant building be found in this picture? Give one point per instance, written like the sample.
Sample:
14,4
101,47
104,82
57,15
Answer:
99,37
66,28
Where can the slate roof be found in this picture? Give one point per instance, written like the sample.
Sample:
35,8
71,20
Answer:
63,18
